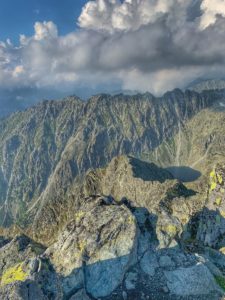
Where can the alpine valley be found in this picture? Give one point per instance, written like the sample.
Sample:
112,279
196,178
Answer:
117,198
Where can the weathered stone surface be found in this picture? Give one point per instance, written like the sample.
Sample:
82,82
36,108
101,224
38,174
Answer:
149,263
196,280
96,248
166,261
211,228
131,279
22,291
18,250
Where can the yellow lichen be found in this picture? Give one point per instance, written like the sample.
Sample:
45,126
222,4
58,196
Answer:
184,220
222,213
171,229
218,201
213,174
13,274
130,220
222,191
213,186
79,215
220,178
81,246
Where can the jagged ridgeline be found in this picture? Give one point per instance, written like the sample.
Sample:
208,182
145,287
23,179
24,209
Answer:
46,149
117,198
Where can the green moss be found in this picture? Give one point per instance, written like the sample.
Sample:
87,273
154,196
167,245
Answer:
220,281
13,274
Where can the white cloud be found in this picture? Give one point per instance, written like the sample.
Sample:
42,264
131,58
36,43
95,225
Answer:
112,15
211,9
45,30
162,80
18,70
144,45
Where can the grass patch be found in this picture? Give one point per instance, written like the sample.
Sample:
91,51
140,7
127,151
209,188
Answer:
220,281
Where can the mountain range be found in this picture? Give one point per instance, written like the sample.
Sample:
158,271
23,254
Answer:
117,197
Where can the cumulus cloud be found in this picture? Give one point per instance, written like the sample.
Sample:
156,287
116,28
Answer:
45,30
211,10
112,15
146,45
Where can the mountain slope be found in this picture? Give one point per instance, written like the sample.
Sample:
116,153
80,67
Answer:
31,144
45,149
199,144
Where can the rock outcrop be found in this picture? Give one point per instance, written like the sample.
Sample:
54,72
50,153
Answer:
96,249
137,237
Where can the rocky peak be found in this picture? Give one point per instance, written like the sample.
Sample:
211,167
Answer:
118,244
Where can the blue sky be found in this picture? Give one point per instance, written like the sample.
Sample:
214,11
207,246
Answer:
136,45
18,16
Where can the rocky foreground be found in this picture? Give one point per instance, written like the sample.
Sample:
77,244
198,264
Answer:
134,233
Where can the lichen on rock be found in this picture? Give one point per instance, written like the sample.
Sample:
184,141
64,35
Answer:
15,273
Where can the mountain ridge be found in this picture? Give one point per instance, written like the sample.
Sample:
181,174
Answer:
56,141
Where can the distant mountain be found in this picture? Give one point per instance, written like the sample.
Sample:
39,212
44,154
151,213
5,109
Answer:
205,85
45,148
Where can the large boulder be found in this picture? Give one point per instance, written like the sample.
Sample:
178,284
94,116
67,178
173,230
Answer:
192,281
96,248
208,225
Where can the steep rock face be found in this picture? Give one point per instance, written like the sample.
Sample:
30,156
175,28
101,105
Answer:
124,178
129,181
121,125
145,185
43,149
31,145
128,177
211,221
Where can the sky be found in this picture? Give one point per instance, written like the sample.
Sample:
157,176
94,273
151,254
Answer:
51,48
18,16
